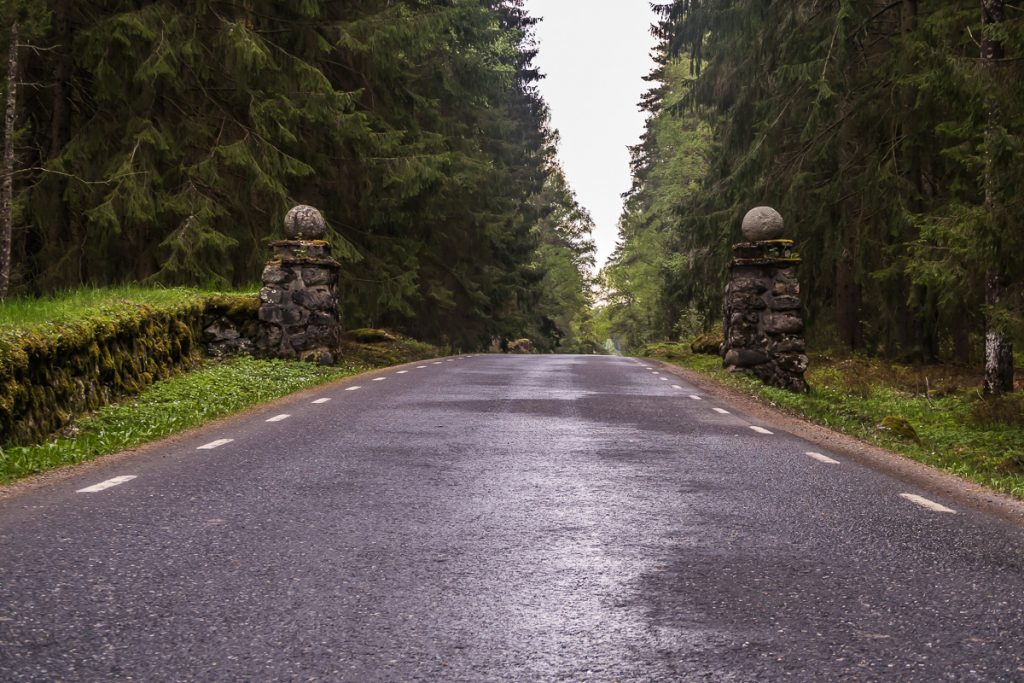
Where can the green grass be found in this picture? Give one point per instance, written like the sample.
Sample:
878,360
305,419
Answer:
187,400
170,407
960,432
78,304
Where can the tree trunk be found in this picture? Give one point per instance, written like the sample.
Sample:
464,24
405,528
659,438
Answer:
63,231
998,348
7,172
961,334
848,301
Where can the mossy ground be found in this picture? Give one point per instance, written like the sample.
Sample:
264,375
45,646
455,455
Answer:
24,313
216,389
959,430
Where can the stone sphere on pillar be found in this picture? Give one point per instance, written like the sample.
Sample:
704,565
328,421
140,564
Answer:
762,223
304,223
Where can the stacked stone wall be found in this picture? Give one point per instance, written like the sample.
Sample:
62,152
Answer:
763,324
299,303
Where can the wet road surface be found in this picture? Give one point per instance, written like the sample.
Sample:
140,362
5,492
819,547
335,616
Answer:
502,518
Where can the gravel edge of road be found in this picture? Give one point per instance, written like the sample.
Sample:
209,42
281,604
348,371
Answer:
36,481
967,493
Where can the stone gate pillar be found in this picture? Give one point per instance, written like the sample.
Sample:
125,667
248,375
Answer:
299,298
763,323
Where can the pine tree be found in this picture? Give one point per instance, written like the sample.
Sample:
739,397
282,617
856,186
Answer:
166,140
865,123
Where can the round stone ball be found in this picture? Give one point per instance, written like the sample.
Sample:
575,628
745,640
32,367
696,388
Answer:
762,223
304,223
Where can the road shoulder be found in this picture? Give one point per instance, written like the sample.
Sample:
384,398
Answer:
966,493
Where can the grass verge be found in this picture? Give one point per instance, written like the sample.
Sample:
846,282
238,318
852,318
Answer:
217,389
954,427
21,313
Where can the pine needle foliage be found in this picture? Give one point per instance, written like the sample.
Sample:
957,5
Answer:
867,124
165,140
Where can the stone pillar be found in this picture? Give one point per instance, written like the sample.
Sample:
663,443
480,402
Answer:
299,299
763,323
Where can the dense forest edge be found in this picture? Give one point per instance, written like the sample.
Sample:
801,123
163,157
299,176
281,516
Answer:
161,143
890,135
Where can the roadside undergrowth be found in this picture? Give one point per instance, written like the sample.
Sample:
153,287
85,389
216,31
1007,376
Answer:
216,389
952,427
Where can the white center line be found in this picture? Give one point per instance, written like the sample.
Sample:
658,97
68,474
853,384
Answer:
760,430
106,484
655,373
278,418
723,411
436,362
322,400
822,458
401,372
676,386
353,388
379,379
663,379
420,367
449,360
925,503
213,444
695,397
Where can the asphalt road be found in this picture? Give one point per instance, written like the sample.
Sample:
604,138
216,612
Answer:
502,518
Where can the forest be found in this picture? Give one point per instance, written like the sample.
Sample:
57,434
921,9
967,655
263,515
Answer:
889,134
162,142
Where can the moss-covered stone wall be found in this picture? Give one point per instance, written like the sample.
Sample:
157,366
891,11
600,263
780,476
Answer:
53,372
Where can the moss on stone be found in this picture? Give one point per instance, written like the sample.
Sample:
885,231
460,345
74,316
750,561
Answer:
901,427
51,372
367,335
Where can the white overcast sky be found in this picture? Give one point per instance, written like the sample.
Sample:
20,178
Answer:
594,54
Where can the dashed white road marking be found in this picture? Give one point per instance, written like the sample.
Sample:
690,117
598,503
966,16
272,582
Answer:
379,379
213,444
695,397
106,484
322,400
925,503
278,418
352,388
436,362
663,379
760,430
723,411
449,360
676,386
822,458
401,372
420,367
653,372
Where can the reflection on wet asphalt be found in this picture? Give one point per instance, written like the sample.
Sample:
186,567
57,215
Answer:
502,518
